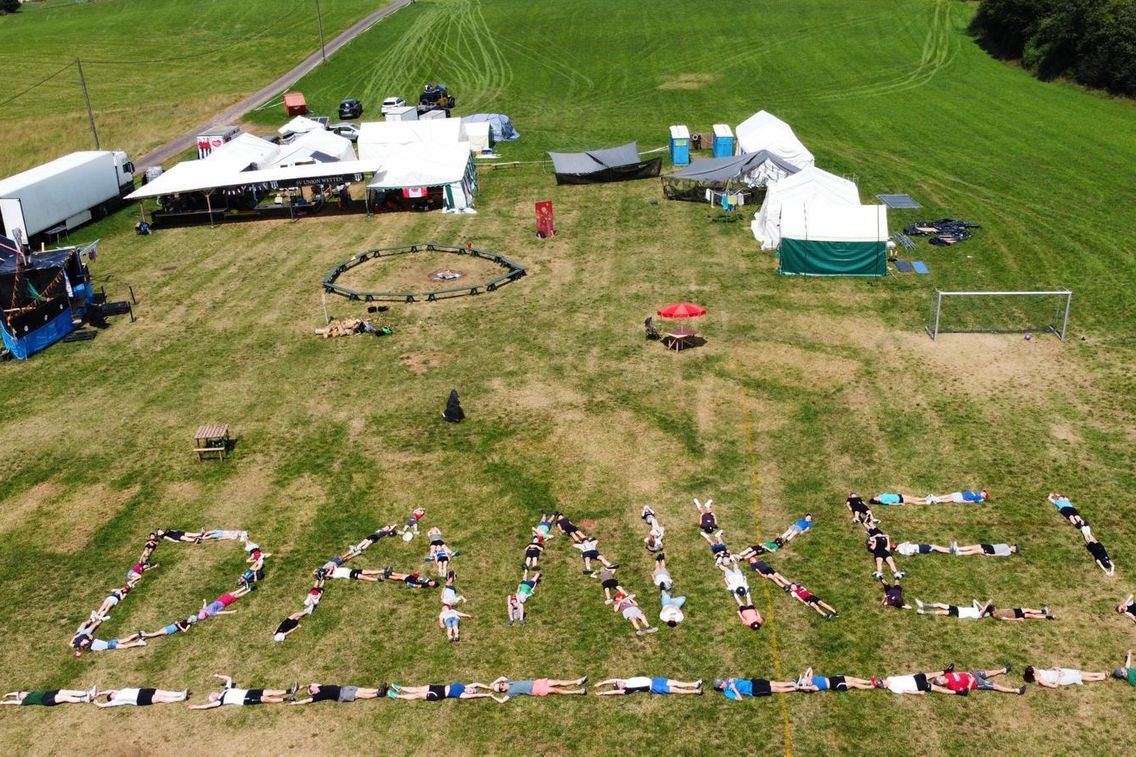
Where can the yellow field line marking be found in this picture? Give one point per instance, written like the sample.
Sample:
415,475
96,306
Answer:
770,625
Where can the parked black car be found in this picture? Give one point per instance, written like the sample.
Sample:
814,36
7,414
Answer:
350,108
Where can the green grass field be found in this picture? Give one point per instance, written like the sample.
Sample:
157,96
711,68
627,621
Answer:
806,389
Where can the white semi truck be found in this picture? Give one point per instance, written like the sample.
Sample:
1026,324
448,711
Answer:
65,193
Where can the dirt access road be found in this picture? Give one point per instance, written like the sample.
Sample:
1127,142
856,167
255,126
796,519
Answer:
236,112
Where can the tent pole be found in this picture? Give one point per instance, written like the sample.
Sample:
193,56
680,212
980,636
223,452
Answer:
142,209
323,301
209,207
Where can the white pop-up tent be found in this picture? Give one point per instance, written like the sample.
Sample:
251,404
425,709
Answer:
765,131
477,134
449,166
314,147
300,125
805,186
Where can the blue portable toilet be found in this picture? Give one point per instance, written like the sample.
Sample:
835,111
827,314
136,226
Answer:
680,145
723,141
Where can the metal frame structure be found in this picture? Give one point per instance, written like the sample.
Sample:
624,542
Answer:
937,307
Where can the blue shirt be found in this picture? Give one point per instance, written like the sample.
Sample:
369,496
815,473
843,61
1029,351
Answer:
820,682
1062,502
889,499
743,685
971,496
803,524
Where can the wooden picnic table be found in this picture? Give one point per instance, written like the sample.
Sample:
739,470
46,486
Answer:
679,338
212,439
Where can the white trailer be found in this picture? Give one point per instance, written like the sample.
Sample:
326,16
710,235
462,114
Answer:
65,193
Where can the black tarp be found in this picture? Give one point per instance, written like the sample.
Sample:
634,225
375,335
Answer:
620,163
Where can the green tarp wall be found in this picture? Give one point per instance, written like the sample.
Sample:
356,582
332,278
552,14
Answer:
804,257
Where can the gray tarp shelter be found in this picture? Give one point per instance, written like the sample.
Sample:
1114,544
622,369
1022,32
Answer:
735,174
612,164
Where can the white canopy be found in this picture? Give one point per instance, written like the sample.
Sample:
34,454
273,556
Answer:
376,138
198,176
422,165
478,136
808,185
300,125
824,221
314,146
765,131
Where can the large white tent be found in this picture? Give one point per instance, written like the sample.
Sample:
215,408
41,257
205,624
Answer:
805,186
821,238
376,138
449,166
314,147
765,131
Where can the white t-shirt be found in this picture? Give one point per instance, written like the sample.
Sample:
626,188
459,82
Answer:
669,613
1001,550
735,579
907,549
123,697
662,577
234,696
341,573
901,684
970,613
1060,676
637,682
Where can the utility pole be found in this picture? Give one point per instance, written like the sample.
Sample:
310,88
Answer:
87,98
319,19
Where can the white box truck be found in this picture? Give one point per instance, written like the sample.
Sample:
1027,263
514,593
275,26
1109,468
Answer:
65,193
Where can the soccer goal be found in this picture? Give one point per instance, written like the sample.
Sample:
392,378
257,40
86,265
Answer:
999,312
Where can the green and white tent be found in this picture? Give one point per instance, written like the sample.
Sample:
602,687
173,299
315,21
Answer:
829,239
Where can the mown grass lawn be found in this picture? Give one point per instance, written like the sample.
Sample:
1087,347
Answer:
805,390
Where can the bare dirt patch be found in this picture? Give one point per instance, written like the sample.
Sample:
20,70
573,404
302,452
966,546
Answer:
420,362
15,510
97,504
687,81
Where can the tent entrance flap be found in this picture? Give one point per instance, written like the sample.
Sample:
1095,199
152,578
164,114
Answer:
804,257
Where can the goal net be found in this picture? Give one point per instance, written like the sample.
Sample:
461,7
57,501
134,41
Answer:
999,312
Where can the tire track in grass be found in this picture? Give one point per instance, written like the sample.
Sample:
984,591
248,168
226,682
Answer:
770,623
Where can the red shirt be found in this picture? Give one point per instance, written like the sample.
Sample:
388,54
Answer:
960,681
802,592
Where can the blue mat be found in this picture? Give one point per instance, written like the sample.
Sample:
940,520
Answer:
902,265
920,267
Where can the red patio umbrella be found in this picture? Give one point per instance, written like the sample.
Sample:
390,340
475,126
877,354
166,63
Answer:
681,310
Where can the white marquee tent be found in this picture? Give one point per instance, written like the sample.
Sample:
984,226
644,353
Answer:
765,131
805,186
449,166
376,138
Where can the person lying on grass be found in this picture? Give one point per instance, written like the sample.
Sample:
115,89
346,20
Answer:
539,687
412,580
449,620
740,688
644,684
450,594
288,625
973,612
749,616
799,527
894,499
991,550
112,600
661,576
861,513
322,692
959,498
626,605
809,682
50,697
218,605
910,549
609,583
806,597
671,612
90,644
1128,608
543,527
1055,678
533,552
140,697
527,587
977,680
178,626
653,542
708,521
1127,673
173,535
736,582
1065,506
1019,613
436,692
516,609
372,539
1100,556
590,551
231,695
569,529
410,526
917,683
762,568
893,596
315,594
879,544
134,575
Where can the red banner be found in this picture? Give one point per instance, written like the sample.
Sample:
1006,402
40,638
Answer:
544,224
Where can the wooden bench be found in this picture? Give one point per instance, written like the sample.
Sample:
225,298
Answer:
211,440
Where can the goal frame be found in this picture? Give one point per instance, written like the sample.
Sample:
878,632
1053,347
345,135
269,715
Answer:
932,327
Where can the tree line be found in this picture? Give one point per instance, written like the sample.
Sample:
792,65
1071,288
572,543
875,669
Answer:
1091,41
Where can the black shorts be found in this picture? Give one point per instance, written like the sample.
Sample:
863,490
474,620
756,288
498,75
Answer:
812,600
761,687
173,535
987,549
435,692
437,543
568,528
49,698
355,573
532,553
1071,512
592,554
837,683
610,583
858,506
253,696
146,696
953,611
921,682
1019,613
881,551
763,568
